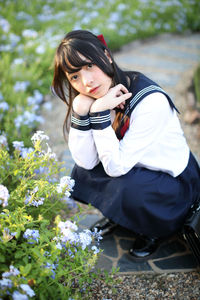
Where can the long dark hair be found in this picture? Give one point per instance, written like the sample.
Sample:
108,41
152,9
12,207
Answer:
68,60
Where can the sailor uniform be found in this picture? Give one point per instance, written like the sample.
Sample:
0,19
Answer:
146,180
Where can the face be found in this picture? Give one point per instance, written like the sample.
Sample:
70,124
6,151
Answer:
90,81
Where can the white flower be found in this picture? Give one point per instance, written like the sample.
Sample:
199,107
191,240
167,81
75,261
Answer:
27,119
18,61
32,234
4,195
26,288
3,140
68,224
68,235
21,85
35,99
4,106
39,136
85,239
13,272
67,184
18,296
50,154
18,145
95,249
26,151
59,246
4,24
40,49
5,283
29,33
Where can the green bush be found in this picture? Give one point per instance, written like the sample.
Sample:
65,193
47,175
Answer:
40,255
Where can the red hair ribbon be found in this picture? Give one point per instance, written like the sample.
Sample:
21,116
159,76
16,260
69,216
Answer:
101,39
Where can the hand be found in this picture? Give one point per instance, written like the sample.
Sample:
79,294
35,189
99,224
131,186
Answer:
81,104
115,97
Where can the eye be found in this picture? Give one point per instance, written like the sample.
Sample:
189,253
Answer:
89,65
74,77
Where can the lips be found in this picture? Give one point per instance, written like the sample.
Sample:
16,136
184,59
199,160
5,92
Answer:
93,91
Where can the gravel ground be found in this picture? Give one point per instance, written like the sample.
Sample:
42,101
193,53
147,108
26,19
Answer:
177,286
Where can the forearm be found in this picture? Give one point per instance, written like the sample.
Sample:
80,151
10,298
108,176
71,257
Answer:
81,142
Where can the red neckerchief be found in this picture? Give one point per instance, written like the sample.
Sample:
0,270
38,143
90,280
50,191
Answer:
124,128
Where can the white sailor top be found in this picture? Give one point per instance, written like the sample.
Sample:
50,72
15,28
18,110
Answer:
154,139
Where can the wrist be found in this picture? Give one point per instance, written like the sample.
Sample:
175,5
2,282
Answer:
97,107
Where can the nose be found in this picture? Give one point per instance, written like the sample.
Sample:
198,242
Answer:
87,78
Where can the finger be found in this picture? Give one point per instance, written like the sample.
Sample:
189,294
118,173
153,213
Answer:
123,89
122,98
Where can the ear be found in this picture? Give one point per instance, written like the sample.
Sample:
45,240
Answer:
108,55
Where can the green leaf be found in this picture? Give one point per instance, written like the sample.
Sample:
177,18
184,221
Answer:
19,254
2,258
25,270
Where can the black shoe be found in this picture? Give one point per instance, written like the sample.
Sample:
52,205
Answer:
144,247
104,225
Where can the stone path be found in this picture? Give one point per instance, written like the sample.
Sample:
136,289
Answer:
170,60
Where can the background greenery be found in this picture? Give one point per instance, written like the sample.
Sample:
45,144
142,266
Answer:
30,30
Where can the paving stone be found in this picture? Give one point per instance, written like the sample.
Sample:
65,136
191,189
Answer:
108,244
160,63
164,51
127,264
88,220
104,263
187,261
171,247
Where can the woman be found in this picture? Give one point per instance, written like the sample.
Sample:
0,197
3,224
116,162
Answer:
132,160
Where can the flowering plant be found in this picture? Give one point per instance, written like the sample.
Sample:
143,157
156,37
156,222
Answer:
40,254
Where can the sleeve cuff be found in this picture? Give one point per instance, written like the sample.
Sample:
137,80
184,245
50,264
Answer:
80,122
100,120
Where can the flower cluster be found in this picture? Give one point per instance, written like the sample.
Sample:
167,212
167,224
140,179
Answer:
19,146
66,185
21,291
4,195
27,118
69,234
32,200
3,140
39,136
31,235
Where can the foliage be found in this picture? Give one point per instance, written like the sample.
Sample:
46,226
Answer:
39,253
31,30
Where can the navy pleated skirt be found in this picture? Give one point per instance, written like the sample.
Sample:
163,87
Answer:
147,202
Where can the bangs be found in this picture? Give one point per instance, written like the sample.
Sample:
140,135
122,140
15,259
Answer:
77,53
72,61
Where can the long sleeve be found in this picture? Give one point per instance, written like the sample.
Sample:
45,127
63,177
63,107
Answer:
81,142
144,141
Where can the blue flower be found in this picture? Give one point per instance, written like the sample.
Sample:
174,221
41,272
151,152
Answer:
52,267
13,272
31,235
18,145
6,283
21,85
95,249
18,296
26,288
4,106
